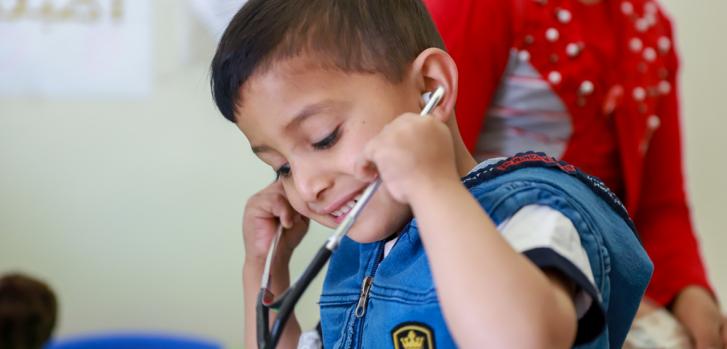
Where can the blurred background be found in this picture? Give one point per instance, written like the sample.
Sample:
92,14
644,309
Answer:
123,187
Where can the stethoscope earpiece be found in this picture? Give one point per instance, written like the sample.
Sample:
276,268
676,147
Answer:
426,96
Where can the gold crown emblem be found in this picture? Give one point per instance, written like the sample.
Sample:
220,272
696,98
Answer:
412,341
413,335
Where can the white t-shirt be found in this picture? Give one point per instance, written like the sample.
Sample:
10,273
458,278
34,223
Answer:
536,227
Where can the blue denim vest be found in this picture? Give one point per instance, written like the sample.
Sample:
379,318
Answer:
372,302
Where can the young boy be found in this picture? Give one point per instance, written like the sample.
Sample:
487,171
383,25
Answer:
525,252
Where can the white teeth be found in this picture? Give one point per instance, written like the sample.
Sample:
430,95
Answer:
346,208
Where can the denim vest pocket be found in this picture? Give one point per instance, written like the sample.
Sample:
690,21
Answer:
336,318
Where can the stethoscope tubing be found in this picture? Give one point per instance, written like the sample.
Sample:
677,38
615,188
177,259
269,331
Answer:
268,337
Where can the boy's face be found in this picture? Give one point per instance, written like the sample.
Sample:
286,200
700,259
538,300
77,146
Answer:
310,124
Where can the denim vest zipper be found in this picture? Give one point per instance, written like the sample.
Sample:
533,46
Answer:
359,313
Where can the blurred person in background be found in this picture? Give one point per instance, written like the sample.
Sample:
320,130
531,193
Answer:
28,312
594,83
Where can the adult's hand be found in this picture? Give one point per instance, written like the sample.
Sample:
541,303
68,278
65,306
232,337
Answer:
699,313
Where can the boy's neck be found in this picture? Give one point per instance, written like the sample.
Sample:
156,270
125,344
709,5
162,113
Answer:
464,161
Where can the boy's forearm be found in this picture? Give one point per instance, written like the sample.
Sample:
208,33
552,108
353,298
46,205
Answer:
280,281
481,281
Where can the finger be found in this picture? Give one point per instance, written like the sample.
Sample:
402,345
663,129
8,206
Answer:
705,336
439,114
283,211
722,328
286,216
264,205
365,170
274,187
702,321
300,226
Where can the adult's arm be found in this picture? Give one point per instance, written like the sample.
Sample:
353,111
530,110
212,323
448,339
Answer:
662,216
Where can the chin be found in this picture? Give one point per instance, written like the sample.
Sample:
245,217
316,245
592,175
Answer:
364,237
380,225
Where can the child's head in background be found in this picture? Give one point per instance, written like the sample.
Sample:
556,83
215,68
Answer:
28,311
310,82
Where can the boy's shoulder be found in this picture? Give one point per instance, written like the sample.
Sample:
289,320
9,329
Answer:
497,167
536,169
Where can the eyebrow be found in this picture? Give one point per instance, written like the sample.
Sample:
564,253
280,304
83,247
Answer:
310,110
307,111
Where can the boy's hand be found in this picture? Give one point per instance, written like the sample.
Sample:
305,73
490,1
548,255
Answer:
410,152
695,308
263,212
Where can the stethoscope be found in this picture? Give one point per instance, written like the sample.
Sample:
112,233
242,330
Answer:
267,338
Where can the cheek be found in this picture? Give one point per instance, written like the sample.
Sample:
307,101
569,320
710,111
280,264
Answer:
346,160
295,201
355,142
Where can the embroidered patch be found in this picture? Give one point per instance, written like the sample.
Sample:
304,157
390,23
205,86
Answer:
412,335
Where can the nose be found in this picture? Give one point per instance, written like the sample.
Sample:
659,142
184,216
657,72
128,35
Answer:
311,181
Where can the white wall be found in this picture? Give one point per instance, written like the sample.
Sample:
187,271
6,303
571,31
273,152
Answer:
131,209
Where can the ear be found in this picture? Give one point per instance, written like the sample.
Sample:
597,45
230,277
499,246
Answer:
435,67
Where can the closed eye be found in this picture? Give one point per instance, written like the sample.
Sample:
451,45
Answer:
325,143
282,171
329,141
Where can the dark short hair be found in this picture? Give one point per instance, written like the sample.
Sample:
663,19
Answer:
28,311
361,36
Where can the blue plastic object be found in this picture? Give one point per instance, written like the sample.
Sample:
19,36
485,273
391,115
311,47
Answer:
132,341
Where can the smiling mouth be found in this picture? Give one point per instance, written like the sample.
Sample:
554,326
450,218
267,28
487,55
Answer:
345,208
